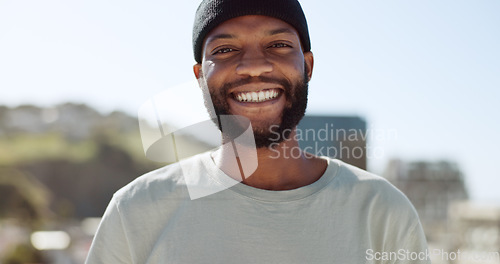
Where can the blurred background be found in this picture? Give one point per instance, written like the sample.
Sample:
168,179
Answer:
418,79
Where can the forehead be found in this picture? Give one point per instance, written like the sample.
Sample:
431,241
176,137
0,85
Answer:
250,26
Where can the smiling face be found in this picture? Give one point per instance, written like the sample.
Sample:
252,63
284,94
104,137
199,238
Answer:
254,66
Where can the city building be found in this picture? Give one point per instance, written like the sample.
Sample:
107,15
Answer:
475,230
432,187
340,137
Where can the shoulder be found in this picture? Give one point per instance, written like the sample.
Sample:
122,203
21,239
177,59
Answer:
382,207
352,176
372,190
166,183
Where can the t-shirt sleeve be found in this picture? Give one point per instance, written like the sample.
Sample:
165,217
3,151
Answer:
397,235
415,250
110,244
411,243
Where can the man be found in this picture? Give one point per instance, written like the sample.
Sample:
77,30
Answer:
254,61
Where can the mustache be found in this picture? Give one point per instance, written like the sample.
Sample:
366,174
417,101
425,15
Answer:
227,86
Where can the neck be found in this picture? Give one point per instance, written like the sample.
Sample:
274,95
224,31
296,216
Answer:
283,166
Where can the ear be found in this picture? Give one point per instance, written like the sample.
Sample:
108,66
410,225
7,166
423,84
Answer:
197,70
197,73
309,63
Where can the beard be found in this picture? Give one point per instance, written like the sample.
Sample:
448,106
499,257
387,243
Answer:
265,134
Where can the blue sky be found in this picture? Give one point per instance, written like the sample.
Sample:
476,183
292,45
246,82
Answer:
429,70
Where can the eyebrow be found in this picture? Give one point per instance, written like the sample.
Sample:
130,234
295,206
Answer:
280,31
220,36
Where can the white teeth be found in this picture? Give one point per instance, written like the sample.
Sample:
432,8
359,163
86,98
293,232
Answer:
261,96
257,97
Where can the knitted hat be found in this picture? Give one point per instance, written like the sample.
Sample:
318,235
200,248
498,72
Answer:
212,13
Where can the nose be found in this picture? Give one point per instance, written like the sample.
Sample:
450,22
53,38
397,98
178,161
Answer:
253,63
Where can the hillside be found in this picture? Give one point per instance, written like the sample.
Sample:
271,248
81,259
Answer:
70,159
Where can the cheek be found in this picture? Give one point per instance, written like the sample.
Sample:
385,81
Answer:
294,74
293,66
207,68
212,73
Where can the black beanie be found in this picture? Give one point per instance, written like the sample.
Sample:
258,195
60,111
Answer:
212,13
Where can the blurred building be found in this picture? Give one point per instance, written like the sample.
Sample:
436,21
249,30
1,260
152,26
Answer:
432,187
340,137
475,232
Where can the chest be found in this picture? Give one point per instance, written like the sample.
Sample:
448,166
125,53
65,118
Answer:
227,233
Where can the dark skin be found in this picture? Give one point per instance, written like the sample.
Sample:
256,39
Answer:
253,46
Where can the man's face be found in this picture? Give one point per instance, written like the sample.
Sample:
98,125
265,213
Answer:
254,66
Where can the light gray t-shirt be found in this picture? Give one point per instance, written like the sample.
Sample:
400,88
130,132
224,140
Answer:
348,216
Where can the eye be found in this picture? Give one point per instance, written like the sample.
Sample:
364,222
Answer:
223,50
280,45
